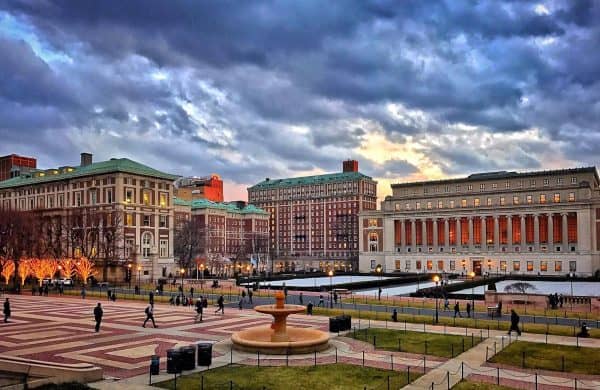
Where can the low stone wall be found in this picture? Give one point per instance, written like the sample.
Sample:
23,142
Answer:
540,301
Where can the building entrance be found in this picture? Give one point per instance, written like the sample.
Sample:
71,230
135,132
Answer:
477,267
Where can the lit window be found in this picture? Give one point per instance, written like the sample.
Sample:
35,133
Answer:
529,199
163,200
463,203
573,180
482,187
397,206
470,187
543,266
128,219
507,184
503,265
556,198
494,186
429,265
418,206
502,202
408,206
440,265
489,201
530,266
559,180
429,205
542,198
515,200
128,196
476,202
372,222
451,204
440,204
516,265
146,198
558,266
571,197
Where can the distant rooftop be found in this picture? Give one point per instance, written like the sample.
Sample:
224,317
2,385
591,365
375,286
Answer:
499,175
124,165
310,180
231,207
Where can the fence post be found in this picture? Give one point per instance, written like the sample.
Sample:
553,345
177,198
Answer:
486,354
258,358
448,378
374,341
536,382
425,347
231,355
287,356
424,364
463,345
472,340
336,358
202,382
399,345
452,350
363,358
388,383
316,357
408,375
462,371
577,338
230,385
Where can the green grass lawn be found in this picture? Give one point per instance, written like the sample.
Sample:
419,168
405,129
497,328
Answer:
324,377
416,342
581,360
469,385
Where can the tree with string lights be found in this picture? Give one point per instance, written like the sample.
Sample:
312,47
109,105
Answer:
8,269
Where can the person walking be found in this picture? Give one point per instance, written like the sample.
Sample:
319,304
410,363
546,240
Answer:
250,293
243,295
446,304
301,299
83,292
469,309
395,315
457,310
108,295
98,312
151,298
309,308
240,303
6,310
321,302
46,290
149,316
514,323
221,305
379,294
192,292
33,290
199,310
335,297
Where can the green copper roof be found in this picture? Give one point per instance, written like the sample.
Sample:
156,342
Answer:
230,207
113,165
309,180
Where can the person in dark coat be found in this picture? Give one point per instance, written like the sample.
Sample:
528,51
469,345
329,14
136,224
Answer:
221,304
98,312
469,309
250,293
199,310
514,322
309,308
149,316
457,310
301,299
6,310
151,298
395,315
584,331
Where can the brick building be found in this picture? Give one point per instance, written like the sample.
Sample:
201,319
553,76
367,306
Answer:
314,219
545,222
14,165
131,198
232,234
191,188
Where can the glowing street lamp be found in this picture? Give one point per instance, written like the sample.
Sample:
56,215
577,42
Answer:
129,274
379,270
472,276
139,268
330,273
182,271
436,279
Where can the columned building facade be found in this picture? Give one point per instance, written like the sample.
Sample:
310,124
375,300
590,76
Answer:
313,222
544,223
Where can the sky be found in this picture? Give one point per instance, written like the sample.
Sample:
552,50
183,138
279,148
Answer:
414,90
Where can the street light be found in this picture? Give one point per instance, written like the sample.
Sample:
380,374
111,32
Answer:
472,276
202,270
139,268
489,266
436,279
182,271
378,269
571,276
330,273
129,274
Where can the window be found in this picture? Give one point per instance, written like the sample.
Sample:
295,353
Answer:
162,221
515,200
507,184
128,196
544,266
440,265
93,196
372,222
163,200
502,202
494,186
470,187
463,203
397,264
373,242
397,207
546,182
429,265
529,199
408,206
457,188
529,266
572,266
558,266
147,241
532,183
571,197
516,265
452,265
146,198
573,180
489,201
372,264
451,204
61,200
418,206
440,204
109,196
542,198
559,181
146,220
129,247
407,265
476,202
128,219
503,265
78,199
164,248
482,187
418,264
556,198
429,206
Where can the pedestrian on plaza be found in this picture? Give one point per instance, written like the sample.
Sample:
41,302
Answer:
113,296
301,299
243,294
108,295
285,293
321,301
177,301
6,310
335,297
469,309
240,303
149,316
446,304
379,293
500,308
192,292
83,292
250,293
172,300
98,312
199,310
220,304
184,301
561,300
41,291
457,310
151,298
395,315
33,290
514,323
46,290
309,308
584,331
205,302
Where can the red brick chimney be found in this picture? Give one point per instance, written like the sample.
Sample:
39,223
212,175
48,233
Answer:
350,166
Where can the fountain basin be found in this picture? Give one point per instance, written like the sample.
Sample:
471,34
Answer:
300,340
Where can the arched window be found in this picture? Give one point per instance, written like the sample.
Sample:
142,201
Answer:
373,242
147,242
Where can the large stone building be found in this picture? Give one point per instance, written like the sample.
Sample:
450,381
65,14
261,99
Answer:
231,234
545,223
132,199
13,165
314,219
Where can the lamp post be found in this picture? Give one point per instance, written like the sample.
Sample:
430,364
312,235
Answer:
378,270
489,262
472,275
464,264
129,274
571,276
436,279
202,270
330,273
139,268
182,271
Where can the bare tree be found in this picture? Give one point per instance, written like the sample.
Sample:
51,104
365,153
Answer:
189,241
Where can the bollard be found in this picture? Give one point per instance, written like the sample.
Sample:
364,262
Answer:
546,337
462,371
577,341
424,364
258,358
363,358
374,341
316,357
231,355
448,378
287,358
486,354
536,381
472,340
463,345
425,347
336,357
498,376
388,383
452,350
408,375
202,382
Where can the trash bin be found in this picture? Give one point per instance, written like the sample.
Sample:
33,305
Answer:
204,354
155,365
346,322
173,361
334,324
188,357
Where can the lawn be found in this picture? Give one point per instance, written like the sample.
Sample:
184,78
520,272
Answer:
324,377
416,342
469,385
552,357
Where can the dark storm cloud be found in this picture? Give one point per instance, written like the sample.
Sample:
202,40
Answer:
280,87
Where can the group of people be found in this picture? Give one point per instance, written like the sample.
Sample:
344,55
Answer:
42,290
555,300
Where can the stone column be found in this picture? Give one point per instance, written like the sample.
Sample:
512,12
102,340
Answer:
424,233
536,232
523,232
403,233
413,235
550,232
483,234
509,237
496,233
471,233
565,231
435,234
458,235
446,235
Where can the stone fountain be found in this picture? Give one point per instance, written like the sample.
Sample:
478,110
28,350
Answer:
278,338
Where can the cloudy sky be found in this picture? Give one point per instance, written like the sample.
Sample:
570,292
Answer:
412,89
